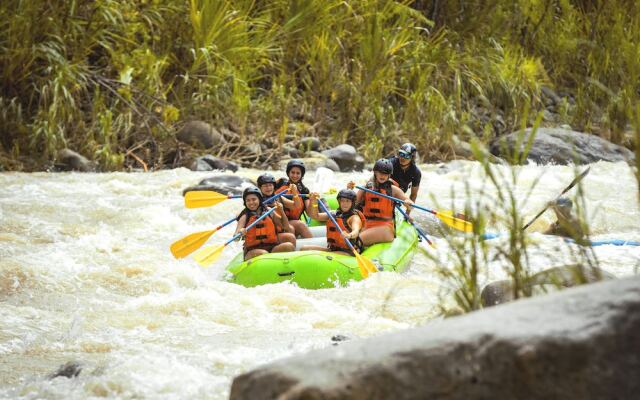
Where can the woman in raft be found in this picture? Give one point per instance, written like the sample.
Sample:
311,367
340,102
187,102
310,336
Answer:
267,186
262,238
297,205
348,218
379,211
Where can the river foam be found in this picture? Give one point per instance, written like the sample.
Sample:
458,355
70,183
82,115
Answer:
86,276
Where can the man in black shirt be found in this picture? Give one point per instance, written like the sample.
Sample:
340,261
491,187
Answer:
405,171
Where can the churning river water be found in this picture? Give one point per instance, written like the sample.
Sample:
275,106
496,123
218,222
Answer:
86,276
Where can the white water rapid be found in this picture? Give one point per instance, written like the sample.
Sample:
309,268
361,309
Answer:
86,276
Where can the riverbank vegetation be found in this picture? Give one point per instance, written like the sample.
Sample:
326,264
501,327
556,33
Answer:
114,79
467,267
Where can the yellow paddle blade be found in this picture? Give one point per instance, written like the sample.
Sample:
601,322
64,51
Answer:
458,215
203,198
456,223
209,255
365,265
188,244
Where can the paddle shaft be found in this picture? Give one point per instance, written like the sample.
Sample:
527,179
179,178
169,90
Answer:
251,225
397,200
239,196
273,198
324,208
420,232
571,185
269,200
225,224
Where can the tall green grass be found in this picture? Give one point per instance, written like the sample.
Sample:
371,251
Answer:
110,77
497,204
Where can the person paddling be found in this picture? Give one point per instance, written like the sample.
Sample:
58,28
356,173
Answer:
267,185
405,171
350,220
295,207
566,225
379,211
263,238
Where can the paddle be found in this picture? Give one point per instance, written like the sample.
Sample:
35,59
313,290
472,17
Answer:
365,265
456,223
420,232
210,254
206,198
190,243
571,185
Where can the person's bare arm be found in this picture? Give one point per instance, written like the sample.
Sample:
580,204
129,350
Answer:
359,194
414,193
281,217
289,203
242,221
399,194
296,200
313,209
356,226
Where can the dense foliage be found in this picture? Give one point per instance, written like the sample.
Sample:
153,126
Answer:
114,78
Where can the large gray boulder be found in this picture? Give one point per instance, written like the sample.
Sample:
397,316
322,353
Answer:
309,143
200,134
500,292
313,161
332,165
344,155
562,146
581,343
69,160
225,184
211,163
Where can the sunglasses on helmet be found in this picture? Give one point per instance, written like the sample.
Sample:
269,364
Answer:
405,155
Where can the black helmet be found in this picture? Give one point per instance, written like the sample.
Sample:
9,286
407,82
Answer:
296,163
383,165
346,194
564,202
407,151
251,190
266,178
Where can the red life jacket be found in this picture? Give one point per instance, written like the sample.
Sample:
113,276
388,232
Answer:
335,241
263,234
378,208
294,212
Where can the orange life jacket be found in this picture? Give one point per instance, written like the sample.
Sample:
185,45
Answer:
270,206
263,234
378,208
296,211
335,241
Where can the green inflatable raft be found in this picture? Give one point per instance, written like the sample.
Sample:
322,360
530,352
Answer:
323,269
